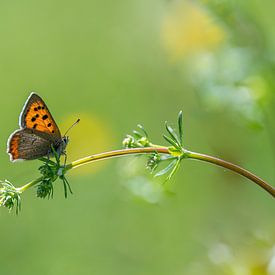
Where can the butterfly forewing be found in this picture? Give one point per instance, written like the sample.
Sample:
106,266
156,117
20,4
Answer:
36,115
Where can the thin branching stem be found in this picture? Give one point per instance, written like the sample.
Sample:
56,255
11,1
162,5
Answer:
29,185
233,167
161,150
116,153
187,154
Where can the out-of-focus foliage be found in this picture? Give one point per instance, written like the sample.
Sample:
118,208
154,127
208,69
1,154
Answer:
188,29
119,63
224,67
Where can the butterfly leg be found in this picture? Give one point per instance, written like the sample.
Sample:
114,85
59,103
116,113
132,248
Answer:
48,156
65,159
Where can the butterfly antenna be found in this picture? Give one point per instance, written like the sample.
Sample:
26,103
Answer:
71,127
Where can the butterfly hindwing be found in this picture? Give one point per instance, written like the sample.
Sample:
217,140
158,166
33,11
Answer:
28,144
36,115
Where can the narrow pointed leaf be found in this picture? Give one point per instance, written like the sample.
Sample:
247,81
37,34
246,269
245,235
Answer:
47,160
180,128
137,134
166,169
142,129
167,157
172,142
172,133
174,170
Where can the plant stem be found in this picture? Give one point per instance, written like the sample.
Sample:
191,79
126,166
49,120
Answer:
187,154
29,185
161,150
232,167
116,153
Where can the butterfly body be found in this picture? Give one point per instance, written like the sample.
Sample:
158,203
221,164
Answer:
38,133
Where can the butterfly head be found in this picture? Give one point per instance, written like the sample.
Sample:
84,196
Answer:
62,146
64,141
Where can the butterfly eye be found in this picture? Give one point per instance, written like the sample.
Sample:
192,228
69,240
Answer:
65,140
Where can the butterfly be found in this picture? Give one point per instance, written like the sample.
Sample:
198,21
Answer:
38,134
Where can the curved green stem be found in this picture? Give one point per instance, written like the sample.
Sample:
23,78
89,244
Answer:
160,150
100,156
116,153
29,185
232,167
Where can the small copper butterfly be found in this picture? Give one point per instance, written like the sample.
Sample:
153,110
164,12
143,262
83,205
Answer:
38,133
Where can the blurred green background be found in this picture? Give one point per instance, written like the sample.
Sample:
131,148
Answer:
115,64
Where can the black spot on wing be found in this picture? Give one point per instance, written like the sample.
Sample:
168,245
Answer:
44,117
33,119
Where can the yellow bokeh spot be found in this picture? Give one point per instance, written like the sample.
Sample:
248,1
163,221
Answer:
189,29
89,137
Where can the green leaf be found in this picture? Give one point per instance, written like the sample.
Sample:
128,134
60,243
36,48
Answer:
172,142
142,129
173,134
175,168
166,169
18,205
137,134
47,160
180,128
66,185
167,157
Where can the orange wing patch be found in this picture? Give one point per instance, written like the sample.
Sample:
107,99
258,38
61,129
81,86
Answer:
13,146
38,117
